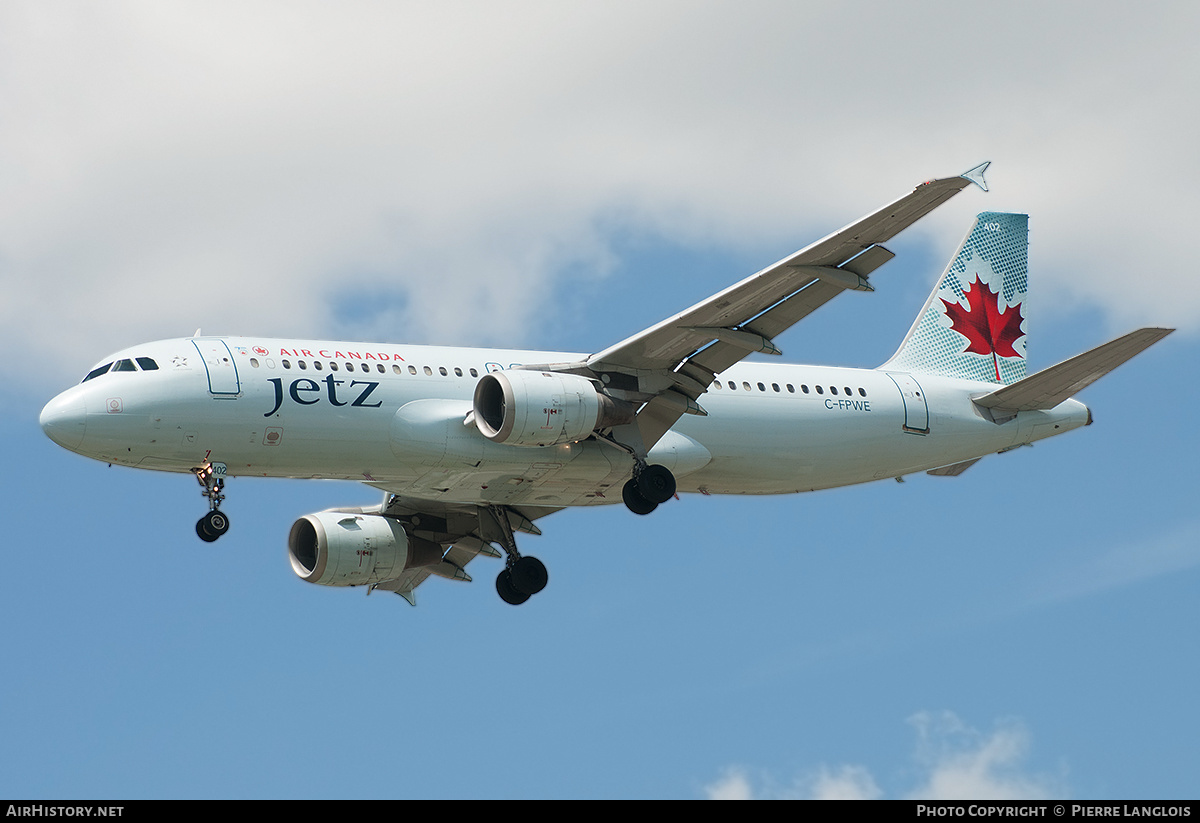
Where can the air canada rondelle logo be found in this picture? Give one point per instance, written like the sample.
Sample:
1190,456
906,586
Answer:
988,329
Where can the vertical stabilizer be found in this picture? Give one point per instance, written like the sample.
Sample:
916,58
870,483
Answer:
973,325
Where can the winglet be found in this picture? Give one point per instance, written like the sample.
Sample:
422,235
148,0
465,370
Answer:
975,175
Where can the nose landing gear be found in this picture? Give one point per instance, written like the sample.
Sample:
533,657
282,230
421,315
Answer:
212,525
215,523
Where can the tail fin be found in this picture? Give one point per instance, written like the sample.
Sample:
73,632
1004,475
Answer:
973,325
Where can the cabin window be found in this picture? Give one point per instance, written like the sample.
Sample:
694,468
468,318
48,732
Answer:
820,390
775,386
833,390
428,371
303,366
863,392
442,371
412,369
732,385
317,365
286,364
254,362
457,372
792,389
761,387
474,373
397,369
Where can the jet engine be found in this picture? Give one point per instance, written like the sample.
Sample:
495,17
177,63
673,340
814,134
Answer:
345,549
539,408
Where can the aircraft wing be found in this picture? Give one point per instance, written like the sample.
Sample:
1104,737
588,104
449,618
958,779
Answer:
669,365
457,533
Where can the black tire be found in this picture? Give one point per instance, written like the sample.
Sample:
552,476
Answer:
203,533
215,523
529,575
634,500
656,484
506,590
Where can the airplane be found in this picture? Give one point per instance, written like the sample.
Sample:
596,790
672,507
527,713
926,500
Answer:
471,446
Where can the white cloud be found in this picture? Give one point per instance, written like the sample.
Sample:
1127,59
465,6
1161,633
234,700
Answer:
961,763
844,783
444,172
952,761
733,785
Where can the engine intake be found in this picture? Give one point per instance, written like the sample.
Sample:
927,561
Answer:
539,408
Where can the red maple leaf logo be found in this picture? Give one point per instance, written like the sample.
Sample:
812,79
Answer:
987,329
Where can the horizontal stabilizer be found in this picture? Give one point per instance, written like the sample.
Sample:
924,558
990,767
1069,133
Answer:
1051,386
955,469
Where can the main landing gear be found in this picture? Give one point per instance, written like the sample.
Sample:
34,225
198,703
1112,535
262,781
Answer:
523,577
649,486
215,523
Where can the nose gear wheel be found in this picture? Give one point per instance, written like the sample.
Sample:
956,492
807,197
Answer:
215,523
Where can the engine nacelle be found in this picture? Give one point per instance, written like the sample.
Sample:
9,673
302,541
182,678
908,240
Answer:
343,549
541,408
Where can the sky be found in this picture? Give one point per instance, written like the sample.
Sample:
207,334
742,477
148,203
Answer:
560,176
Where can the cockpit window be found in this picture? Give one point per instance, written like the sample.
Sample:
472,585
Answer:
146,363
96,372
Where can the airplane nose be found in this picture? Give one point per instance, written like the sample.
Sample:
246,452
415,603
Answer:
64,418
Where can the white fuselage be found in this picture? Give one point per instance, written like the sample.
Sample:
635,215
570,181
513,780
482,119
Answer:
393,416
